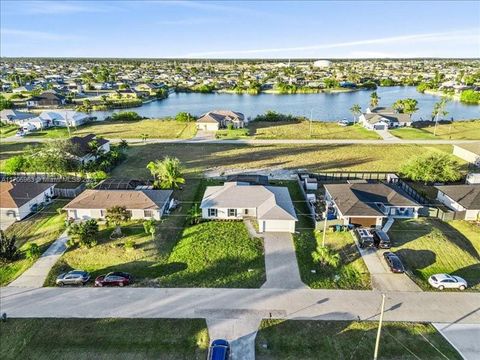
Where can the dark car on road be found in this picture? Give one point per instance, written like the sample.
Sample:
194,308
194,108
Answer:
219,350
381,239
114,279
394,262
74,277
364,237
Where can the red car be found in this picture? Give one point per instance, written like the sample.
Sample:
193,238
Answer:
114,279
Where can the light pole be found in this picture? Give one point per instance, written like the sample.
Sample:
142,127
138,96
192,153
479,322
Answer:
377,342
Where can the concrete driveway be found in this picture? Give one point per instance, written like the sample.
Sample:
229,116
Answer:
465,338
5,222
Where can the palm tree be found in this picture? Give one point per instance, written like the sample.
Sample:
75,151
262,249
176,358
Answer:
117,215
439,110
374,98
356,110
167,173
195,215
326,256
144,137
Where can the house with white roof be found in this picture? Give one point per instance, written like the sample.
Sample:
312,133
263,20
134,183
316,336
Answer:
271,206
65,117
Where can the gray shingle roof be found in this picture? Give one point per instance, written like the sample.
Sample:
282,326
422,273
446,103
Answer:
466,195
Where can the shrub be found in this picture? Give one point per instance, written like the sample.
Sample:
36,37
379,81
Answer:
230,126
8,249
273,116
184,117
32,252
125,116
15,164
433,167
129,244
326,257
470,97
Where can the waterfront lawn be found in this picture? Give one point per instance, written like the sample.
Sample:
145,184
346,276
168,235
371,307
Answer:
458,130
222,158
42,228
430,246
303,129
309,339
352,272
154,128
162,339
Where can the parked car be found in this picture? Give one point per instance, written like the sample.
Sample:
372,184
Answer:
364,237
394,262
114,279
445,281
219,350
74,277
381,239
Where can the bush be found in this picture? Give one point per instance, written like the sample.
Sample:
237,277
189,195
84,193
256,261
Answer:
32,252
8,249
431,168
15,164
230,126
125,116
129,244
184,117
273,116
470,97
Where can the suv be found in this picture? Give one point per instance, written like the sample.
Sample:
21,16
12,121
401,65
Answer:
364,237
219,350
381,239
75,277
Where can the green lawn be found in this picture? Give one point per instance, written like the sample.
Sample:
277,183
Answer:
305,130
42,228
84,339
345,340
430,246
232,134
458,130
7,130
223,157
154,128
10,149
352,272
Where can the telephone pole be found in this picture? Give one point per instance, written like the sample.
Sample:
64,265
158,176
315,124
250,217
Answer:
377,342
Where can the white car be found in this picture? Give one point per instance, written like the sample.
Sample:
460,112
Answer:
445,281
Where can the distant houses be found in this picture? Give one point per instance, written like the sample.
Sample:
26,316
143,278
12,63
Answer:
217,119
47,98
382,118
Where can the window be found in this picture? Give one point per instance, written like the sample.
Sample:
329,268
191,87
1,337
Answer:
232,212
246,212
129,212
102,213
212,212
148,213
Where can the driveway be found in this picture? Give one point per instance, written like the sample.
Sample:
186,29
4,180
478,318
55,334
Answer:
465,338
386,135
5,222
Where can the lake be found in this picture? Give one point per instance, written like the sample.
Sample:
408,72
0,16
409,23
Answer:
325,106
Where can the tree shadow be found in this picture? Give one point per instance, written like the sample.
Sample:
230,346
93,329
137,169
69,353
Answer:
470,273
417,259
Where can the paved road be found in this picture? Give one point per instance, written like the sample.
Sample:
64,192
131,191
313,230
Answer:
463,337
38,272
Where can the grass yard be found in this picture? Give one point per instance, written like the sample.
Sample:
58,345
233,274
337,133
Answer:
154,128
303,129
10,149
42,228
309,340
7,131
219,158
430,246
82,339
232,134
352,272
458,130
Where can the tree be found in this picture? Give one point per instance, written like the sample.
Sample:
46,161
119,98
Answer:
326,257
32,252
194,214
167,173
123,145
85,232
15,164
470,97
117,215
374,99
150,227
144,137
4,103
184,117
8,249
431,168
406,106
439,110
356,110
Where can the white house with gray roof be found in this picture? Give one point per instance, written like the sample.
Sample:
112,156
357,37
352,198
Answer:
271,206
381,118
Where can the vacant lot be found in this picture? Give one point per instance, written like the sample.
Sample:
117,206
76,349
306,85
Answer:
162,339
309,340
42,228
220,158
352,272
431,246
10,149
7,130
305,130
458,130
154,128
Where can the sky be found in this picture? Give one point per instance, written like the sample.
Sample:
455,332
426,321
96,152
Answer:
240,29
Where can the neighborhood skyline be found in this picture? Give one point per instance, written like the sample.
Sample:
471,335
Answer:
239,29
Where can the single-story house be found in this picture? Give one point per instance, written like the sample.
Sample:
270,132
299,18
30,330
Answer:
217,119
65,117
47,98
461,198
83,149
36,123
381,118
468,152
14,117
19,199
142,204
21,89
251,179
368,204
271,206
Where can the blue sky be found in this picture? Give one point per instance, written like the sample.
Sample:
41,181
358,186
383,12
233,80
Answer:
240,29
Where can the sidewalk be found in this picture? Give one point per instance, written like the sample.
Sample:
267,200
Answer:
37,274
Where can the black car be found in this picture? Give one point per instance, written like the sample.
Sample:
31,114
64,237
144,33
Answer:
219,350
364,237
394,262
381,239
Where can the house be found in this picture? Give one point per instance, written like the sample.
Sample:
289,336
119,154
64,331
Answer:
83,149
19,199
36,123
21,89
217,119
468,152
271,206
141,204
150,88
462,198
368,204
65,117
381,118
47,98
251,179
13,116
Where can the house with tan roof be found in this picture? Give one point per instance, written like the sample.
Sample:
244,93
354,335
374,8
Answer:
217,119
141,204
271,206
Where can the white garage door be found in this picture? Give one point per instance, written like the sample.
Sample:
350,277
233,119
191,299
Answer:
379,127
278,226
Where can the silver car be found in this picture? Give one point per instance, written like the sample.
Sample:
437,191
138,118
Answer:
445,281
74,277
